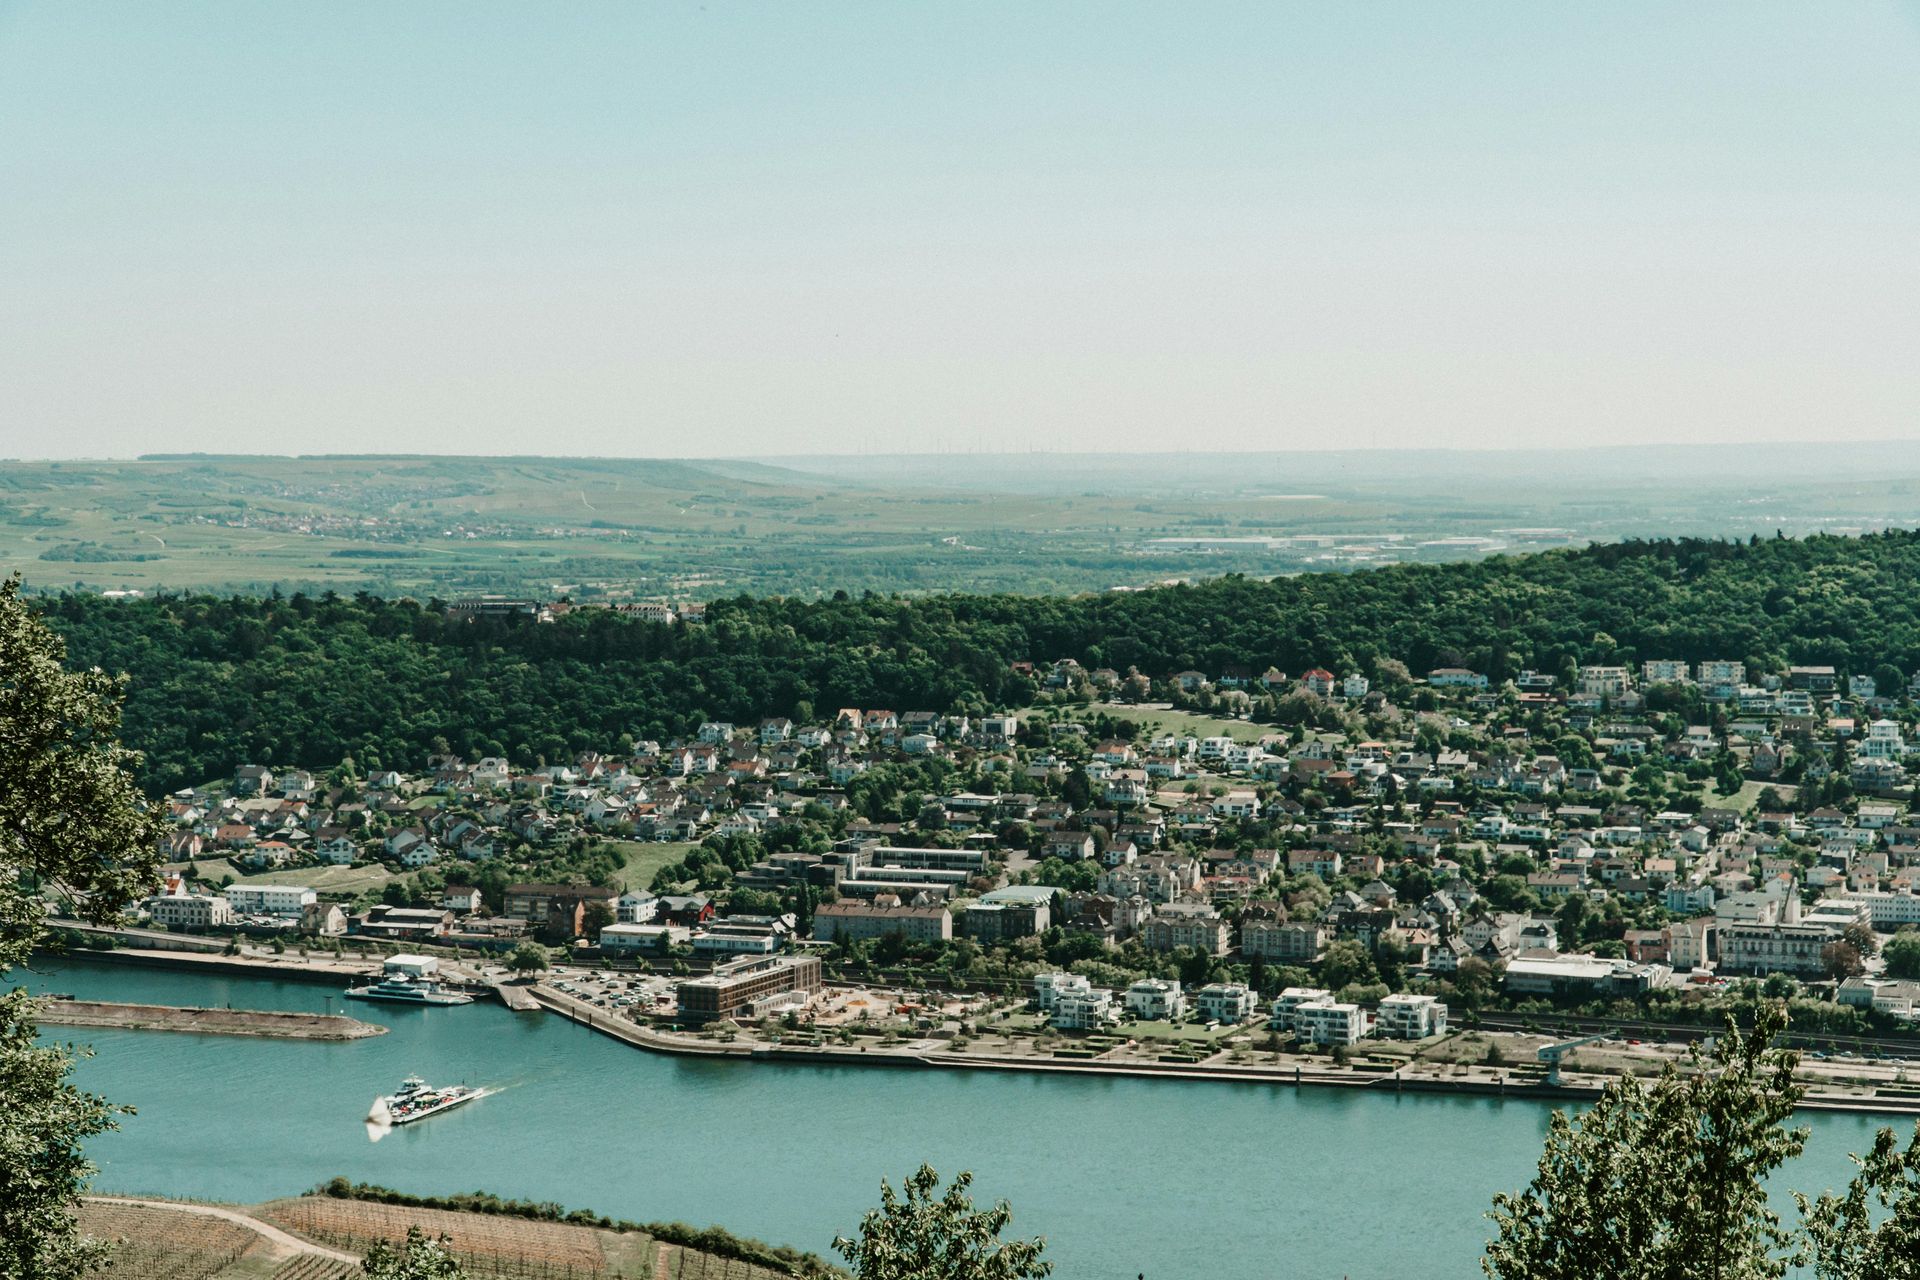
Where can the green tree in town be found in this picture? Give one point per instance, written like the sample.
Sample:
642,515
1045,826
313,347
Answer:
73,825
1662,1181
923,1233
1873,1231
420,1258
527,958
1902,954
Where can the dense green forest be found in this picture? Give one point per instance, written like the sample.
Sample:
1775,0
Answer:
219,681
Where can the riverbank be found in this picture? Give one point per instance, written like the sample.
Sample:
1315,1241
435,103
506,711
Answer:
1221,1068
219,1022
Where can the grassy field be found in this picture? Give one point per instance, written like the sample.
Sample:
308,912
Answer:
643,858
1745,797
326,879
1154,718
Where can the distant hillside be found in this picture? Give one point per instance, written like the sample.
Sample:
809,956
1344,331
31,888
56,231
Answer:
219,681
600,529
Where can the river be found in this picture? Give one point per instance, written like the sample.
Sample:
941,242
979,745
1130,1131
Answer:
1123,1176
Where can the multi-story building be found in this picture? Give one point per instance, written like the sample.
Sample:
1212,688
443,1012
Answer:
1721,678
1291,1001
288,901
1084,1010
190,911
750,988
849,920
1156,1000
1180,924
1288,941
1405,1016
1334,1022
1048,988
1773,948
1228,1003
1663,671
1605,682
1017,911
1888,912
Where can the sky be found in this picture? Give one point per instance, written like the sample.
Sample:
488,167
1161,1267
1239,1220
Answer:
720,229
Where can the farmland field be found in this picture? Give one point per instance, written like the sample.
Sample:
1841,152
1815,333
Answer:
499,1247
647,529
489,1245
159,1244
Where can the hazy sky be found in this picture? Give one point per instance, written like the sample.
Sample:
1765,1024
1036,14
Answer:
811,227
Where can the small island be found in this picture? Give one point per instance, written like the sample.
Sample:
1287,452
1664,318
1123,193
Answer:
224,1022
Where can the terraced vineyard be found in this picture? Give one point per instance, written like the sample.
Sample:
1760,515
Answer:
158,1244
677,1263
490,1247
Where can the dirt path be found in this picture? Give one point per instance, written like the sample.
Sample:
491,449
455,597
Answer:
284,1240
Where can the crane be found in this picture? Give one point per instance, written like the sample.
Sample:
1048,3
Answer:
1551,1054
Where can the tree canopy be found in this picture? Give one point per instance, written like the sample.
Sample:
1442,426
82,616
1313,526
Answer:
923,1233
71,820
221,681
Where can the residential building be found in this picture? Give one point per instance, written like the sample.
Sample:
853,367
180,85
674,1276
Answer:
1287,941
1181,924
284,900
1084,1010
850,920
1773,948
1228,1003
1405,1016
190,911
1156,1000
1331,1023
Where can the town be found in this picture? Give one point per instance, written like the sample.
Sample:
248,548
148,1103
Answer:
1333,856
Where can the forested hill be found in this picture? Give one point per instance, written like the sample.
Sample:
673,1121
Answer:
218,681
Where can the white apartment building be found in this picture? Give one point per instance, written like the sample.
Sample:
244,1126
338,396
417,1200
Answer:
1887,912
1227,1003
1330,1023
1156,1000
1883,742
1663,671
285,900
190,911
1721,678
1291,1001
1410,1017
1083,1010
1605,682
1048,988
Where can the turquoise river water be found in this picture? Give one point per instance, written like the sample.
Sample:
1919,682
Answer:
1124,1177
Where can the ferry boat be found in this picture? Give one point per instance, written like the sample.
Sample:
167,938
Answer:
416,1100
401,988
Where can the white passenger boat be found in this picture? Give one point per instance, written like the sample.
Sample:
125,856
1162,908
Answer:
400,988
416,1100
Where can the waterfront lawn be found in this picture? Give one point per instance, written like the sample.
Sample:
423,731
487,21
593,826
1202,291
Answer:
1187,1032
